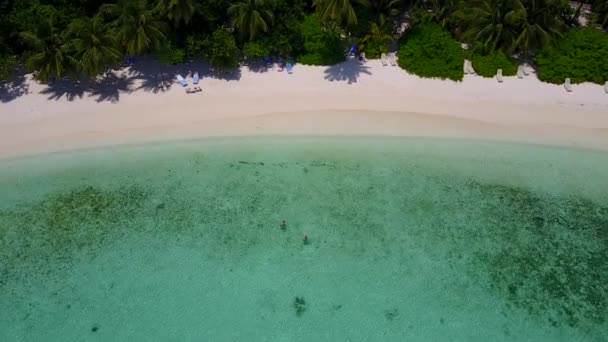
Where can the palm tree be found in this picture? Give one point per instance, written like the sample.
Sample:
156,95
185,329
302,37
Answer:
177,11
600,11
339,11
250,17
95,47
384,8
543,25
135,25
495,23
438,11
51,59
375,41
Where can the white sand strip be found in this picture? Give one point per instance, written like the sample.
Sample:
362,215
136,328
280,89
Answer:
340,100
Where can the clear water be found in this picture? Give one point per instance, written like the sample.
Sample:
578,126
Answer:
409,240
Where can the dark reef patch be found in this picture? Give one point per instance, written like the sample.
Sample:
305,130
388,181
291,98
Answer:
551,252
49,232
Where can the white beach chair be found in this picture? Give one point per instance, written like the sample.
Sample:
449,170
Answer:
392,58
606,87
383,59
520,71
568,85
499,75
362,58
470,68
526,69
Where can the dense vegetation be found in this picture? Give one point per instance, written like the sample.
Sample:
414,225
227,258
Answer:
486,65
582,56
429,51
59,38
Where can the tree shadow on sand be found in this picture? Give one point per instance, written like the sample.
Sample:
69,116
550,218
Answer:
348,71
14,87
71,89
109,87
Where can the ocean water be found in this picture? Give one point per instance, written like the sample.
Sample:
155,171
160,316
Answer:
408,240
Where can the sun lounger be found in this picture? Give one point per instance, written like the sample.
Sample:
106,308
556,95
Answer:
470,68
526,69
568,85
289,68
392,59
362,58
352,50
182,81
195,78
383,59
499,75
520,71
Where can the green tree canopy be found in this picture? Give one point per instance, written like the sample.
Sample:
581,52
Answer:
429,51
220,50
581,56
251,17
135,25
95,47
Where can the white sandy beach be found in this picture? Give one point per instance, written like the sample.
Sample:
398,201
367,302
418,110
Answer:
347,99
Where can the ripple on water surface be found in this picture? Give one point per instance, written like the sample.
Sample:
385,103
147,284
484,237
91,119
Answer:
418,239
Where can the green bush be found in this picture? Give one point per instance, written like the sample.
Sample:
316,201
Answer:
487,65
581,55
429,51
7,66
170,55
255,50
195,46
322,46
221,51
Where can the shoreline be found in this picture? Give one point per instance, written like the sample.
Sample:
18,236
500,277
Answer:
379,101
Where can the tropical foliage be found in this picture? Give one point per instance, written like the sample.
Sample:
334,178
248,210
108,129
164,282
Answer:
487,65
582,56
321,45
58,38
430,51
221,51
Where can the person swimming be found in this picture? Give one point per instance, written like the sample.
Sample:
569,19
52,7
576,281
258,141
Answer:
283,225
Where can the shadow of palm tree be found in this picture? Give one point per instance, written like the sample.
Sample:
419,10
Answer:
110,87
13,88
68,88
258,65
348,71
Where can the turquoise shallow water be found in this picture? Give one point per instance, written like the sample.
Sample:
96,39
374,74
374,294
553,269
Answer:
409,239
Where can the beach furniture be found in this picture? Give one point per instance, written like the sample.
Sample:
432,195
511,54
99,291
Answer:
470,68
568,85
499,75
520,71
289,68
392,58
195,78
526,69
352,50
362,58
606,87
182,81
383,59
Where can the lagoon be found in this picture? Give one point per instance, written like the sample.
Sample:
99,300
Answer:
409,239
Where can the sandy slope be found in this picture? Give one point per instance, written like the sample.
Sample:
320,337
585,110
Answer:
347,99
